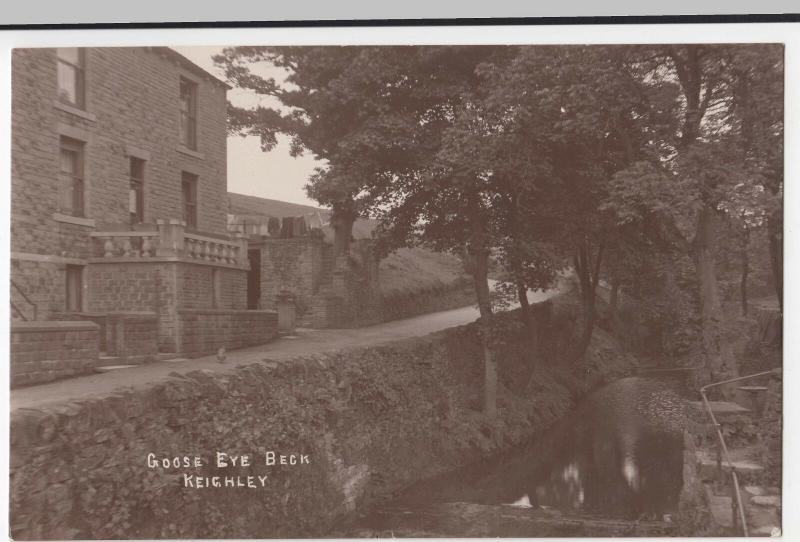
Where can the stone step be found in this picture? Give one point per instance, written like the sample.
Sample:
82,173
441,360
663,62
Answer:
722,409
707,465
109,368
755,491
766,500
104,361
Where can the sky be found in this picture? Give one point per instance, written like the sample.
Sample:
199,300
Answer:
251,171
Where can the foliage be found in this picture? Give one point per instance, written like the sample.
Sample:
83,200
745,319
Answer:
622,162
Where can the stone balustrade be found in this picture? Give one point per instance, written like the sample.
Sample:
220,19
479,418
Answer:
128,244
171,240
200,247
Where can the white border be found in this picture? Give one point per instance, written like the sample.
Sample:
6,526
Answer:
787,33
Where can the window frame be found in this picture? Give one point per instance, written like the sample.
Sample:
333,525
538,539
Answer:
189,207
80,77
73,288
77,179
188,135
137,187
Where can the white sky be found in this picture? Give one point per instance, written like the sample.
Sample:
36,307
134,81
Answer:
251,171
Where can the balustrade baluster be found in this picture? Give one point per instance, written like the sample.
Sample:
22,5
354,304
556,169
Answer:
108,248
127,247
147,247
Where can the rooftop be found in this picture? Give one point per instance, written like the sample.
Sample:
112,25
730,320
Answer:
189,65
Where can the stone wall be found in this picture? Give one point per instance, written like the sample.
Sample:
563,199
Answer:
129,286
299,265
43,283
132,336
369,421
46,351
204,331
166,288
448,296
342,292
206,286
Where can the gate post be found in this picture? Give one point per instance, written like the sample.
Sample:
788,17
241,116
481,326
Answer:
287,312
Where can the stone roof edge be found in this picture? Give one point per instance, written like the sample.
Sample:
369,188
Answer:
189,65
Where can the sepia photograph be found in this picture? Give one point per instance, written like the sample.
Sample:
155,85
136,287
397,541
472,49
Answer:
398,290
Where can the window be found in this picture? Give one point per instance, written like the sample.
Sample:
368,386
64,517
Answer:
189,197
188,114
136,201
72,186
74,297
71,76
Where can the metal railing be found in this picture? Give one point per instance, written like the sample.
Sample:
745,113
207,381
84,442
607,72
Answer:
739,516
26,298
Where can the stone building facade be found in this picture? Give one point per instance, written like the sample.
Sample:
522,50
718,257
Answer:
118,189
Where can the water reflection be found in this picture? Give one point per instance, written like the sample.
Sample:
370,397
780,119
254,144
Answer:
613,461
610,458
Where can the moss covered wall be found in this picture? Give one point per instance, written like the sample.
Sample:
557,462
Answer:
369,420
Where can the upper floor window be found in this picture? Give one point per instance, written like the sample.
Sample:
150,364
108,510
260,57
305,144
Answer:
188,114
136,203
71,76
189,197
71,176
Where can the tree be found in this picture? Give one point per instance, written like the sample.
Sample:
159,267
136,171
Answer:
757,109
318,111
696,163
577,107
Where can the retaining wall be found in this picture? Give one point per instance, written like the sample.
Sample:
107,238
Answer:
45,351
204,331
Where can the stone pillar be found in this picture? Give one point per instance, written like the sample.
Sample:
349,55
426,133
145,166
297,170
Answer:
241,257
171,239
287,312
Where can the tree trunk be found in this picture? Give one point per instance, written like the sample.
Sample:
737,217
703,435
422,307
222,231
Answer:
479,252
697,92
719,354
522,293
342,219
587,267
774,226
745,269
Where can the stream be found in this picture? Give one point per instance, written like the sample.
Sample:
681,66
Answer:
618,456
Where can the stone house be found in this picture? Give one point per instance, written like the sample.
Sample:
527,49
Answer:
118,214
